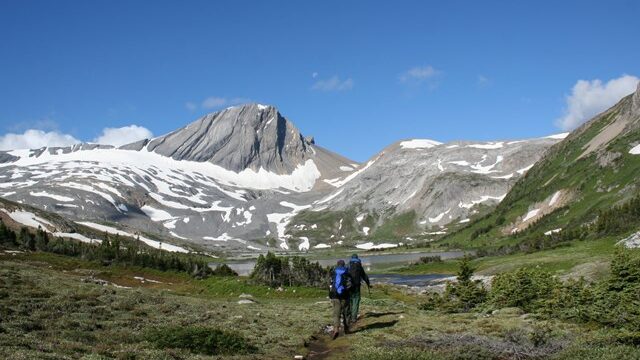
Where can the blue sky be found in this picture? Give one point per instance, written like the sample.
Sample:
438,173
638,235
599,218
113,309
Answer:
357,75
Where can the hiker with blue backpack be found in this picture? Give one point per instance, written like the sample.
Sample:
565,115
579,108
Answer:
358,275
339,287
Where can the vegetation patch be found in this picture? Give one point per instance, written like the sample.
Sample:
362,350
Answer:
199,340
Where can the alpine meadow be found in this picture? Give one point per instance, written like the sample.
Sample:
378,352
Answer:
335,180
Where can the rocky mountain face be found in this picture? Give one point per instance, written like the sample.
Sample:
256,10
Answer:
238,138
246,179
229,181
427,184
595,168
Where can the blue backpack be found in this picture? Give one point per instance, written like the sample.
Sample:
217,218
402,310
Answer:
341,281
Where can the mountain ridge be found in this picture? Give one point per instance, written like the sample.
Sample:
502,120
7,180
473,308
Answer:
236,179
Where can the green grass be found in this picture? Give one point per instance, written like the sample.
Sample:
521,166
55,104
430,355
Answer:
397,227
560,260
47,311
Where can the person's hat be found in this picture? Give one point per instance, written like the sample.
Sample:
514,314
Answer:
340,262
354,256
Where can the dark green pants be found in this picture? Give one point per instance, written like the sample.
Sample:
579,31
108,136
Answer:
354,303
340,309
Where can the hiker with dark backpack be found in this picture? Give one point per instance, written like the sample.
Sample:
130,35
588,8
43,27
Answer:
358,275
339,287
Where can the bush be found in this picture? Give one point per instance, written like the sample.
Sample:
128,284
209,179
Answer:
200,340
273,271
224,270
612,302
429,259
526,288
460,296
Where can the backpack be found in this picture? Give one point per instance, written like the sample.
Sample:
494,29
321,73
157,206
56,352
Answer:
355,270
341,283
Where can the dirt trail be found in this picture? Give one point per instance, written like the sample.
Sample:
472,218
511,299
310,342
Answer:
323,347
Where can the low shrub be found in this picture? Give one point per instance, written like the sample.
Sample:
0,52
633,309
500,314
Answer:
460,296
429,259
224,270
526,288
200,340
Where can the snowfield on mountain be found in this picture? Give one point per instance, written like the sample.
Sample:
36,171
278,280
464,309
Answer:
237,179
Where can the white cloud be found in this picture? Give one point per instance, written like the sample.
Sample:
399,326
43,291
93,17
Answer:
34,139
589,98
191,106
122,136
213,102
482,80
419,74
334,83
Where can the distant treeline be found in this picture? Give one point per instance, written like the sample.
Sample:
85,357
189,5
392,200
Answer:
619,219
112,250
272,270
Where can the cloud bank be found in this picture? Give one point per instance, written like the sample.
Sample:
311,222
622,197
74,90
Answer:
122,136
333,83
213,102
35,139
419,74
589,98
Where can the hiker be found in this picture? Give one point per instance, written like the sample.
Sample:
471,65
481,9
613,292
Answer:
340,284
357,275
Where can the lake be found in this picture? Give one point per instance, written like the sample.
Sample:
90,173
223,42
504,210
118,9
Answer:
371,262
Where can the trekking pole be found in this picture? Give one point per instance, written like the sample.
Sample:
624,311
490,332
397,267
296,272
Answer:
369,288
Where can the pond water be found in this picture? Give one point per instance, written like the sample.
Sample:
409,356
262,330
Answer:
408,280
371,262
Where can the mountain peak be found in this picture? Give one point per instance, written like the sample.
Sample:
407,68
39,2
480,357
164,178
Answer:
246,136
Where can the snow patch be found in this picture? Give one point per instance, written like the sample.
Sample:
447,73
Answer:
503,177
481,200
156,214
531,214
53,196
28,219
553,231
491,145
419,144
302,178
77,237
635,150
524,170
371,246
438,217
304,245
282,220
558,136
152,243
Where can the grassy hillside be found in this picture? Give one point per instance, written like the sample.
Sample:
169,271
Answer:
589,183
